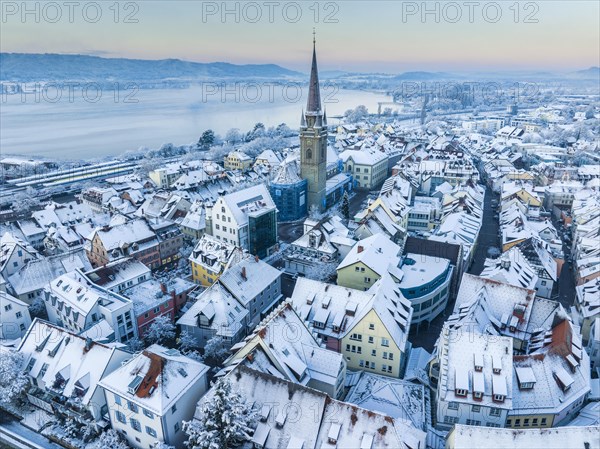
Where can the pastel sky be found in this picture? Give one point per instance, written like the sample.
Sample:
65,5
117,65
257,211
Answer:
374,36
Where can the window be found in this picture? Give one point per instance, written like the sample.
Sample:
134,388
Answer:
131,406
495,412
475,408
374,353
391,356
176,427
473,422
356,337
371,327
7,307
385,342
117,399
517,422
19,314
174,408
148,413
120,417
135,424
535,421
22,326
150,431
367,280
526,422
452,405
371,339
356,268
450,419
543,423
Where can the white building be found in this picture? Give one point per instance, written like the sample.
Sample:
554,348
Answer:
246,218
474,379
300,359
66,369
14,254
150,396
14,317
469,437
256,285
77,304
215,313
425,282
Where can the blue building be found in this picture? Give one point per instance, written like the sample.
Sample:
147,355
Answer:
289,191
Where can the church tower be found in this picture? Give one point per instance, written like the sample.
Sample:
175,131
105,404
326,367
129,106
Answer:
313,141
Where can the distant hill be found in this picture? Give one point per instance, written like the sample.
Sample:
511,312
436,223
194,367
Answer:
28,67
418,76
591,73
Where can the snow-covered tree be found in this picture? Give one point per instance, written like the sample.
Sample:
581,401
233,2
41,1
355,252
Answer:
12,380
215,351
233,136
207,139
357,114
109,440
162,445
160,330
187,342
322,271
224,421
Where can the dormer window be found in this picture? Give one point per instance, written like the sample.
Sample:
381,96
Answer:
460,392
478,362
498,398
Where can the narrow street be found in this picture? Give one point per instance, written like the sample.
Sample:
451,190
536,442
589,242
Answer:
488,235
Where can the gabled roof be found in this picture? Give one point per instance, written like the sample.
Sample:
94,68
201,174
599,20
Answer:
376,252
80,361
155,378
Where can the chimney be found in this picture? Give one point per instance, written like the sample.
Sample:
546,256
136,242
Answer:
359,249
163,288
244,274
255,258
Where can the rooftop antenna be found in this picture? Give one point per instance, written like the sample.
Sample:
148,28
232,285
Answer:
314,36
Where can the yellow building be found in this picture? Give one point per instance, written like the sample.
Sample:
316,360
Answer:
369,328
236,160
367,262
210,258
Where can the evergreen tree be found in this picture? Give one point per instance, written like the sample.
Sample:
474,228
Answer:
206,140
345,207
224,420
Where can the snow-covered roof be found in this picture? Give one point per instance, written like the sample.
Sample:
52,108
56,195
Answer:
165,376
116,274
300,359
376,252
365,156
460,355
270,396
212,253
493,307
250,201
419,270
226,316
80,361
352,427
511,268
39,272
248,278
468,437
392,397
79,295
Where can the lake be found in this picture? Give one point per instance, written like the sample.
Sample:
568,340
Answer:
59,124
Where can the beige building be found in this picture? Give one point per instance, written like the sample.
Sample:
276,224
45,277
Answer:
369,167
236,160
367,262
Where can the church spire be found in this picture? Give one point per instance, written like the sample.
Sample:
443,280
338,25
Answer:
313,105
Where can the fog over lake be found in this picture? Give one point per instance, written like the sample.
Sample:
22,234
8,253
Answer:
73,126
